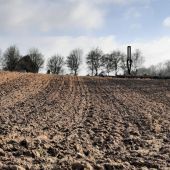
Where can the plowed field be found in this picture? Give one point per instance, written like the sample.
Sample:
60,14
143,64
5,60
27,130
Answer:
67,122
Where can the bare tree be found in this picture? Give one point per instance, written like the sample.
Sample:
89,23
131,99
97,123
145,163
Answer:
93,60
107,63
36,57
74,60
116,60
160,69
123,62
167,68
10,58
55,64
112,61
154,70
137,61
143,71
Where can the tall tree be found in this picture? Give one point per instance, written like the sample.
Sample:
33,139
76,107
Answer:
123,62
160,69
93,60
116,59
107,63
74,60
137,61
10,58
167,68
55,64
112,61
36,57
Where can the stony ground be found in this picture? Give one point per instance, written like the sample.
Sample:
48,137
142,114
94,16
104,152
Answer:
83,123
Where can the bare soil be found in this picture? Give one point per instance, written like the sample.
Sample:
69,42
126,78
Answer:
83,123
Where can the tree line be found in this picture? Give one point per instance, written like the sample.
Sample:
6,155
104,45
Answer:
114,62
11,57
160,70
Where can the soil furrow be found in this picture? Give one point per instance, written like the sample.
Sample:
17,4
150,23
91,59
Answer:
69,122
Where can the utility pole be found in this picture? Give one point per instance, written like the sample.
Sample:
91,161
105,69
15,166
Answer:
129,59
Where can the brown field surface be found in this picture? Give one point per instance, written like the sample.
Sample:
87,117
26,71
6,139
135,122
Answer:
83,123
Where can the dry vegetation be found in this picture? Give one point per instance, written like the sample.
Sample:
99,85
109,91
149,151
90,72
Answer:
67,122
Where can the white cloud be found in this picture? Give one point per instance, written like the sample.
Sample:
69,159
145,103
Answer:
119,2
154,51
22,16
87,15
166,22
47,15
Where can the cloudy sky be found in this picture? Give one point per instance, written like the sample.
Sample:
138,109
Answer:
58,26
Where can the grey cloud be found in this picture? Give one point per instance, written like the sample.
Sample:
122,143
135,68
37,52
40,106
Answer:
118,2
48,15
39,16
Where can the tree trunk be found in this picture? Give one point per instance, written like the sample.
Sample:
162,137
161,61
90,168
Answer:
96,72
75,72
92,71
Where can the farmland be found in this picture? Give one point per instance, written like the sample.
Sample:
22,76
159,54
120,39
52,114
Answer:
69,122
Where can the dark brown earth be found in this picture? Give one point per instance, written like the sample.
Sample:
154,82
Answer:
83,123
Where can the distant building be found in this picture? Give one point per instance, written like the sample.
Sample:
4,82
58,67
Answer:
25,64
102,74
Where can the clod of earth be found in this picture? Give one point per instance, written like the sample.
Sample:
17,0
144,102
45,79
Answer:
83,123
